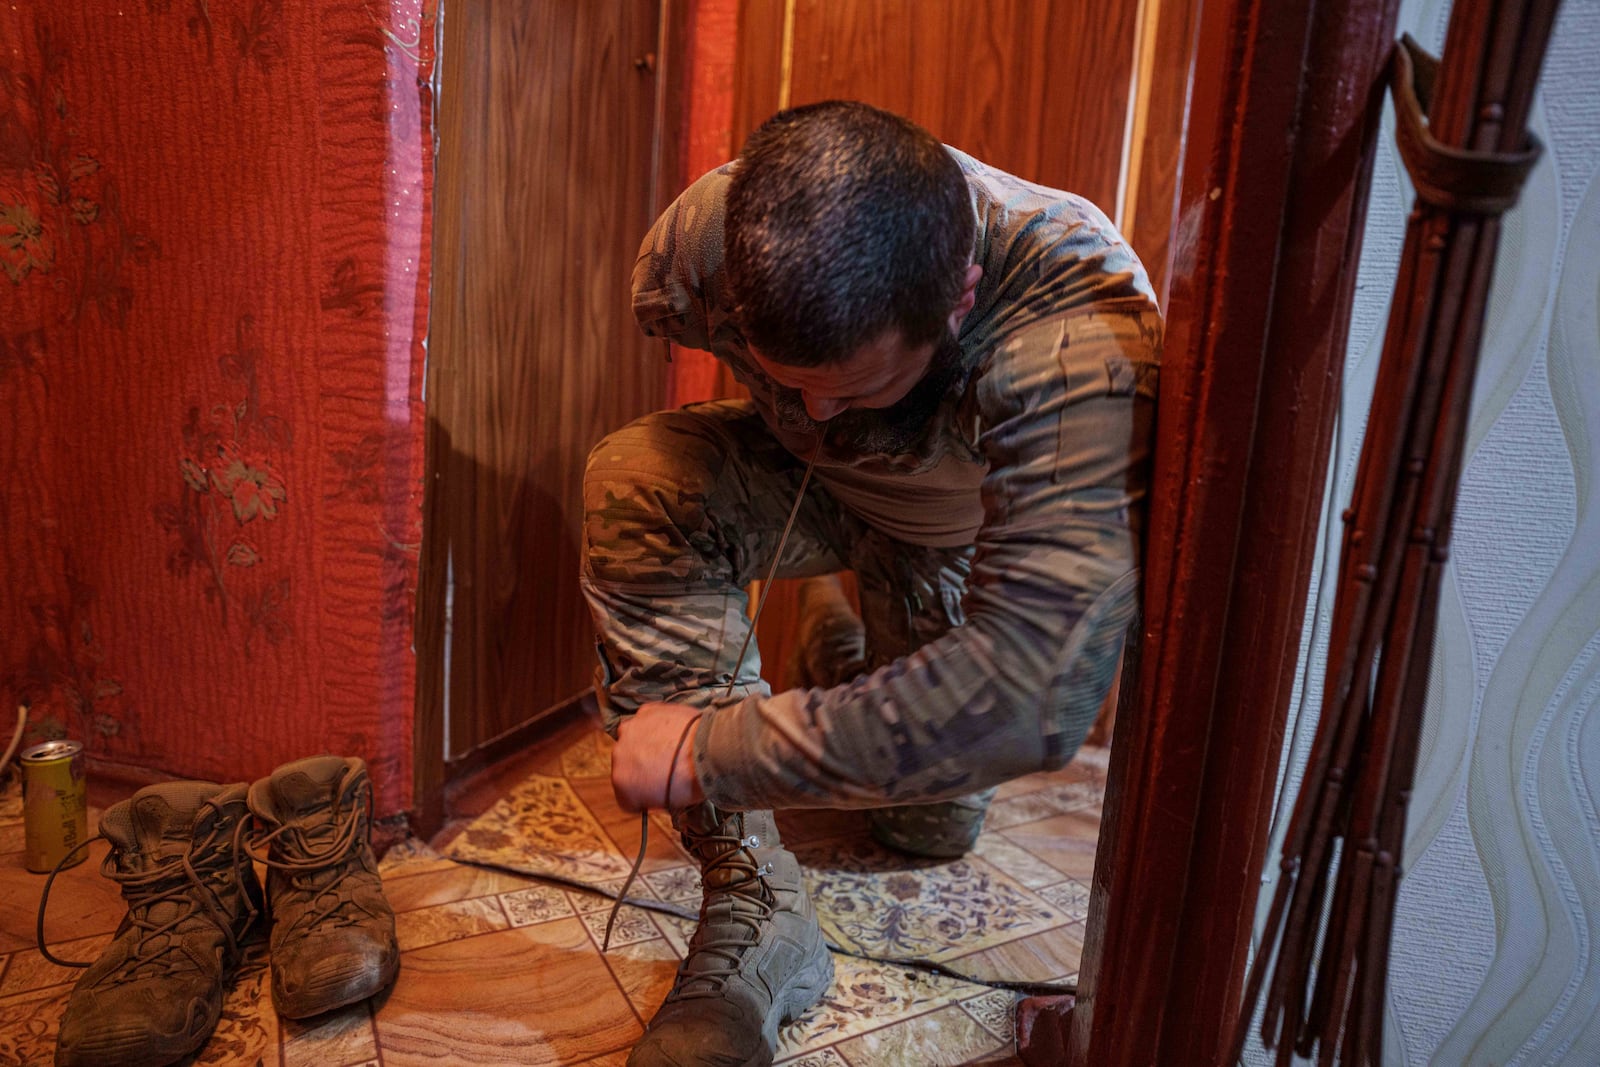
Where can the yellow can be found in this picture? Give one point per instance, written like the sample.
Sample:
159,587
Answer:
55,803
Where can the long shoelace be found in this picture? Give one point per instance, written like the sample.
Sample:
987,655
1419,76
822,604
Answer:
733,681
749,903
172,879
312,861
916,963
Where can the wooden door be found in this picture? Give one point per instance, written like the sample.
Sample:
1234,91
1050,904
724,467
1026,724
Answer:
1035,87
546,117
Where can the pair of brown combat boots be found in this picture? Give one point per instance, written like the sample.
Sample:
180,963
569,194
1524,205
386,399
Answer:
182,853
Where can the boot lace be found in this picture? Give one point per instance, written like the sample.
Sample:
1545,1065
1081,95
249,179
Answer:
733,682
751,904
320,870
180,880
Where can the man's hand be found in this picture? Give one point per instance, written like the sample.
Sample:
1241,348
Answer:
642,759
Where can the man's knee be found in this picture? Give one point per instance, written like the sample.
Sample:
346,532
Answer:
646,488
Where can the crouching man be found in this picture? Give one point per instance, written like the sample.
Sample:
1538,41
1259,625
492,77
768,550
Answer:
970,359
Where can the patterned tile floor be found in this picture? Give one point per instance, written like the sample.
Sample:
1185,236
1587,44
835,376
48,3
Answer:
501,967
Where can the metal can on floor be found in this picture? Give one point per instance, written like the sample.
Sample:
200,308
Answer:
55,803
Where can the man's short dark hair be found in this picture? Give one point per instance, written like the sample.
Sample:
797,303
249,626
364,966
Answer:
844,221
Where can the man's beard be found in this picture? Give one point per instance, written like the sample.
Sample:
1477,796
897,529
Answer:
882,431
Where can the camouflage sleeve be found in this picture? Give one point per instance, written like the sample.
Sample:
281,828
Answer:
1068,414
677,279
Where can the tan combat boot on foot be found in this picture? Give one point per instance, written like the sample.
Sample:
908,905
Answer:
156,993
332,930
757,960
946,829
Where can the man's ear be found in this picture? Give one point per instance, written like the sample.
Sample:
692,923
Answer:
969,295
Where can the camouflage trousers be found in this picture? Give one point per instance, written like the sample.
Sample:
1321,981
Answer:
684,509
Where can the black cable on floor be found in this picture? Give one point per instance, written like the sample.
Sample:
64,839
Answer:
1032,989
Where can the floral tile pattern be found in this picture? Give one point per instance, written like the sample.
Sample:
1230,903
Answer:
1071,897
606,894
946,1037
867,996
1043,803
248,1029
677,932
538,904
28,1025
986,910
632,926
543,822
869,900
589,757
996,1011
680,885
448,922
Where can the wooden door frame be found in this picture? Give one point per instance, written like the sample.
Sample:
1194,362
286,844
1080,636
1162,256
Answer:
1282,120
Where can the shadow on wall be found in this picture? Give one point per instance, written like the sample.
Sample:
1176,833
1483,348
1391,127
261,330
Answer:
504,634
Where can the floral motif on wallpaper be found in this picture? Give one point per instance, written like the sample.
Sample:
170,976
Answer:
348,291
358,470
256,34
228,489
197,21
65,239
256,29
61,676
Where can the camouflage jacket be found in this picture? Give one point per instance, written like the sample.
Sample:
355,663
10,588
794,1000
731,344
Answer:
1054,422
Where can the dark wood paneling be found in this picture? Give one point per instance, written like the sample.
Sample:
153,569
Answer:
674,59
544,191
1036,88
758,68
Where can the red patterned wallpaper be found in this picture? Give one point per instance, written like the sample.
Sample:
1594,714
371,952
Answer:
214,254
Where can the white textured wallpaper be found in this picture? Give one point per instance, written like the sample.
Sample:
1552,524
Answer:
1495,958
